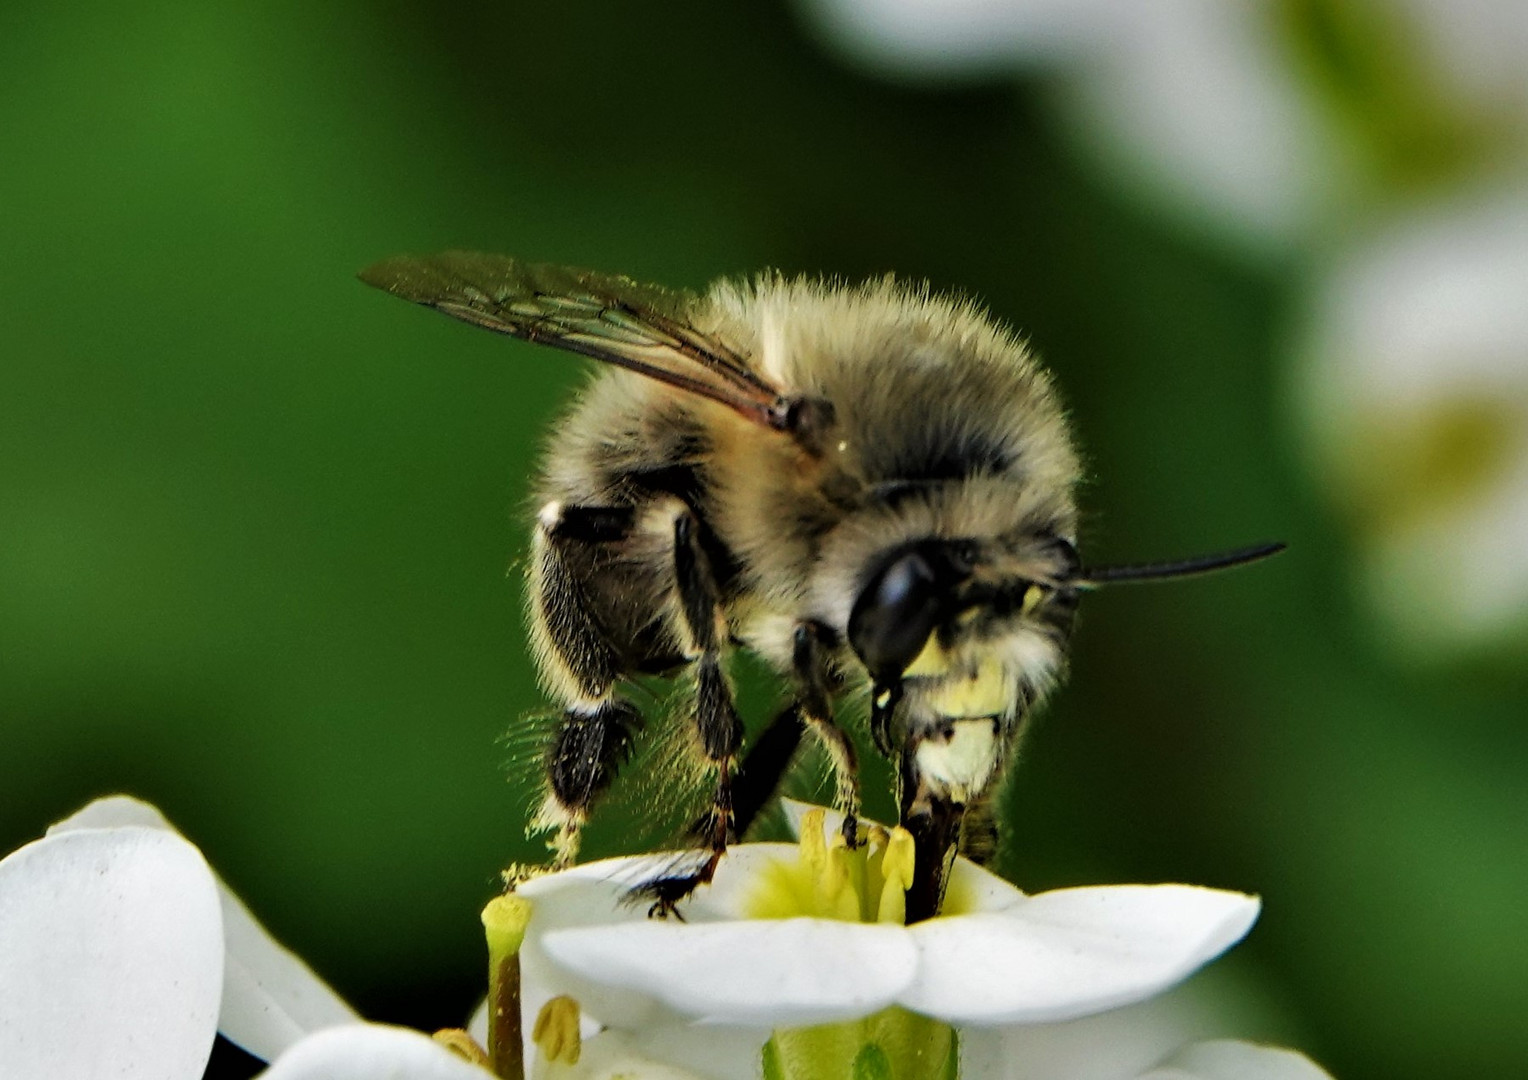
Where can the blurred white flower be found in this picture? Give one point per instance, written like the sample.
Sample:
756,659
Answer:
1414,388
1252,116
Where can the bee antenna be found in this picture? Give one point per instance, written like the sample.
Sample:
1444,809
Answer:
1093,577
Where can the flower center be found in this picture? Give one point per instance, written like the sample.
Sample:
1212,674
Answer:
830,880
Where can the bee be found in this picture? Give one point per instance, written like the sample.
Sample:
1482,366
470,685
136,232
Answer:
870,487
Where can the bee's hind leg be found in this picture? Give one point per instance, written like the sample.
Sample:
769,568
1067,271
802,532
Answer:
716,721
581,666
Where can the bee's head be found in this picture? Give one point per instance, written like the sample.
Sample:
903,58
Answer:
939,607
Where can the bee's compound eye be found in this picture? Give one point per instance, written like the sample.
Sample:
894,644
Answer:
895,614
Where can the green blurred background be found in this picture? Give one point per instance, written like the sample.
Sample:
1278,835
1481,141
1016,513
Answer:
259,524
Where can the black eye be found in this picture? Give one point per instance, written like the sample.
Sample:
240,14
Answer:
895,614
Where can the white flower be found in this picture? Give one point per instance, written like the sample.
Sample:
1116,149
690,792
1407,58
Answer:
1414,392
1017,974
121,954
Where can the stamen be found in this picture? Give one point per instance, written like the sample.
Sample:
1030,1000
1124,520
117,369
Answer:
556,1032
462,1045
897,876
814,852
838,884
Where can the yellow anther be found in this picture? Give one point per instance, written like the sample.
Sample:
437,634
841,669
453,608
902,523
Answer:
814,852
896,876
462,1045
838,883
556,1032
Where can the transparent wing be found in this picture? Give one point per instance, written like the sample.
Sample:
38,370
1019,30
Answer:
645,328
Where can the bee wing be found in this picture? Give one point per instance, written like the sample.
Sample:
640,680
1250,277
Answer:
646,328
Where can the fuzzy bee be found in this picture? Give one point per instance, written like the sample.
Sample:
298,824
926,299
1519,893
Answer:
870,487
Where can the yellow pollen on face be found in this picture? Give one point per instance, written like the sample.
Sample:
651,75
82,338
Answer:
931,660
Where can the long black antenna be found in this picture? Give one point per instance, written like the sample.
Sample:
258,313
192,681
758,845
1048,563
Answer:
1092,578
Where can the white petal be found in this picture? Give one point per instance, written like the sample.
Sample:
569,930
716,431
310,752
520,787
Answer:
777,972
739,882
110,811
111,957
1231,1060
595,894
614,1055
1066,954
270,997
370,1052
715,1051
1116,1045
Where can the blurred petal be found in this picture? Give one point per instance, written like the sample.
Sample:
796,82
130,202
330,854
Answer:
370,1052
1231,1060
776,972
271,999
1195,104
961,37
111,957
1065,954
1193,101
1414,391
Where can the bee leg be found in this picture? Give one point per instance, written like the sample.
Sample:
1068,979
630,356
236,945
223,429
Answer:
935,826
716,719
809,659
582,760
754,780
581,667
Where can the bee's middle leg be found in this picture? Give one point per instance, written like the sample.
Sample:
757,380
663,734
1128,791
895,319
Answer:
717,725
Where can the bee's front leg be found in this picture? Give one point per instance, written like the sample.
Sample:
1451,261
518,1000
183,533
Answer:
810,660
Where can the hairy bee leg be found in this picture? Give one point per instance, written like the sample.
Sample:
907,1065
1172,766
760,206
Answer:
579,666
758,776
582,760
809,659
935,826
716,720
